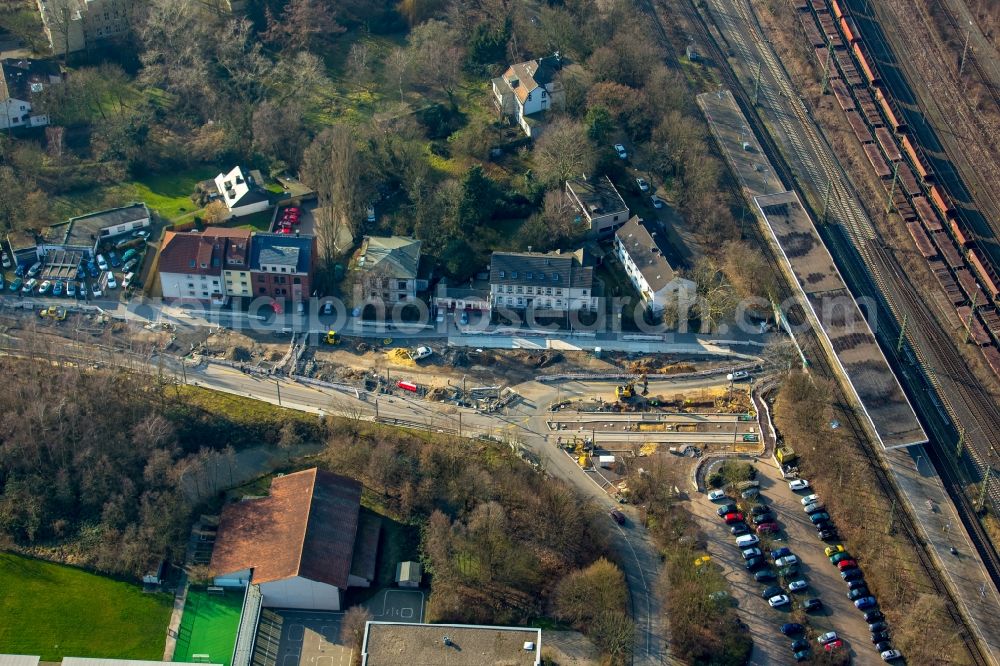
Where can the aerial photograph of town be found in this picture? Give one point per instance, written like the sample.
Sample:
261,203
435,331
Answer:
499,332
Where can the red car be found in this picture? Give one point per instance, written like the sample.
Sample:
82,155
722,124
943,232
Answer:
285,230
834,645
767,528
846,564
731,518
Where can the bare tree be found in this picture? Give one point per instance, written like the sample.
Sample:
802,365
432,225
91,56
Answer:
564,151
352,629
437,56
302,23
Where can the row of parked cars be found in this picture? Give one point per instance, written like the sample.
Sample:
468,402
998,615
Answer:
767,568
100,270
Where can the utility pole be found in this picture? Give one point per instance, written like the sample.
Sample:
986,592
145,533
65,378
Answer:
892,189
972,312
983,488
460,424
826,202
902,333
376,410
965,52
277,385
756,84
826,67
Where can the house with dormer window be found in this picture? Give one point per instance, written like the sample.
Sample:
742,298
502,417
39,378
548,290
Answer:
190,267
241,193
526,90
555,282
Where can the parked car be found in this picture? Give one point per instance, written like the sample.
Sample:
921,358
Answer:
729,507
127,280
827,533
737,375
771,591
29,286
112,282
858,593
57,288
883,646
751,552
20,270
750,493
856,584
16,284
734,517
785,561
797,585
809,499
780,552
35,269
739,529
791,628
44,288
852,574
114,259
620,150
891,655
874,616
81,290
880,637
821,517
716,495
763,518
754,563
765,576
71,289
130,265
830,551
768,528
798,484
643,185
834,645
6,260
828,637
129,255
95,290
815,507
102,263
802,655
800,644
846,564
811,605
142,233
617,516
837,558
656,201
759,509
877,627
92,269
747,540
779,601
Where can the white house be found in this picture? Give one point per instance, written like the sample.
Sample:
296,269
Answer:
303,544
190,267
553,281
22,79
528,89
601,206
240,193
648,270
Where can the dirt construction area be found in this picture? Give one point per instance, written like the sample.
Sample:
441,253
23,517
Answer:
824,582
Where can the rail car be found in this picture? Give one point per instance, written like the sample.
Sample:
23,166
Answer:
927,214
850,29
949,252
882,169
892,119
828,26
838,13
947,282
970,286
860,128
819,6
842,94
907,180
848,71
919,163
974,329
991,320
960,236
866,102
871,74
813,34
888,143
801,5
920,239
941,202
825,61
992,356
986,276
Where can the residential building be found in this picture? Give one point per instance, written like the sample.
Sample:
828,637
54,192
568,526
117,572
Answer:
281,265
528,89
241,193
190,267
85,233
75,25
413,644
601,206
389,269
554,281
20,81
236,278
302,545
473,296
648,269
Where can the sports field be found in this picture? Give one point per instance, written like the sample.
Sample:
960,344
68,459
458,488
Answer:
55,611
208,626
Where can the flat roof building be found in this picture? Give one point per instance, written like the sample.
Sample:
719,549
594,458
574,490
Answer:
86,232
599,202
411,644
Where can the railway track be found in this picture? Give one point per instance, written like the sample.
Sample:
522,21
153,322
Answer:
860,226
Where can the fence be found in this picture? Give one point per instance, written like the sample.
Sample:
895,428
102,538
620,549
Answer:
247,633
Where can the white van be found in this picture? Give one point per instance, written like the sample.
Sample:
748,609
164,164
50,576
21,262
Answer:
747,540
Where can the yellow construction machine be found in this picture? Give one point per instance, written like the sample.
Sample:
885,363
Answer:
332,338
625,392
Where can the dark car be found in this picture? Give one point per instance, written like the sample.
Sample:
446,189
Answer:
821,517
858,593
791,629
114,259
20,270
739,529
617,516
92,269
856,584
828,533
754,563
780,552
800,644
811,605
765,576
726,508
880,637
802,655
763,518
876,627
866,603
852,574
874,616
760,509
771,591
883,646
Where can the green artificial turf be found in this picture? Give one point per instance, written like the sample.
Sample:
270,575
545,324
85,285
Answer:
55,611
209,626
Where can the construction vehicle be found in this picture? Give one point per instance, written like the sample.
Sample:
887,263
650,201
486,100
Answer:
625,392
55,312
786,455
331,338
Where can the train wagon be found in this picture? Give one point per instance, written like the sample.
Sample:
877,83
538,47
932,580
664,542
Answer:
927,214
960,236
949,252
991,320
941,202
888,144
986,276
907,180
842,94
859,127
892,119
828,26
819,6
801,5
866,102
813,35
920,239
970,286
947,282
919,163
849,71
878,163
992,356
866,68
838,13
825,61
850,29
974,330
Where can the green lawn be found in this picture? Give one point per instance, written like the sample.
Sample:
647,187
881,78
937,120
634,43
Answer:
167,194
55,611
256,222
209,626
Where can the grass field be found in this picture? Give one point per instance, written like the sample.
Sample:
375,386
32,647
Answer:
55,611
209,626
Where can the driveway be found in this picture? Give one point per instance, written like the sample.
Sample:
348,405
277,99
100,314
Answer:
838,614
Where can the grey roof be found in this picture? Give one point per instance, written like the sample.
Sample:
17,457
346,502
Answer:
281,250
412,644
24,76
86,229
394,256
408,572
641,246
542,269
18,660
597,196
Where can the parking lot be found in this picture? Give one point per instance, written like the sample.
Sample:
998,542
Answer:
307,218
824,582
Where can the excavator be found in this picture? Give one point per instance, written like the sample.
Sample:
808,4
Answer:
331,338
625,391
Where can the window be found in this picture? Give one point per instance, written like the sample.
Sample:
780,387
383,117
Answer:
555,277
541,276
190,285
548,291
503,274
401,284
520,301
513,275
527,276
558,292
520,289
204,293
529,97
260,278
263,290
584,292
296,280
510,289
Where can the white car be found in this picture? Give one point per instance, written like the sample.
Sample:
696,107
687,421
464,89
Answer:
112,282
71,289
95,290
657,202
422,352
751,552
890,655
780,600
142,233
643,185
716,495
127,280
828,637
737,375
620,149
809,499
798,484
786,561
797,585
102,263
6,261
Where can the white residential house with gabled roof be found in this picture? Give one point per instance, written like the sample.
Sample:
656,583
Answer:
528,89
241,194
657,282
